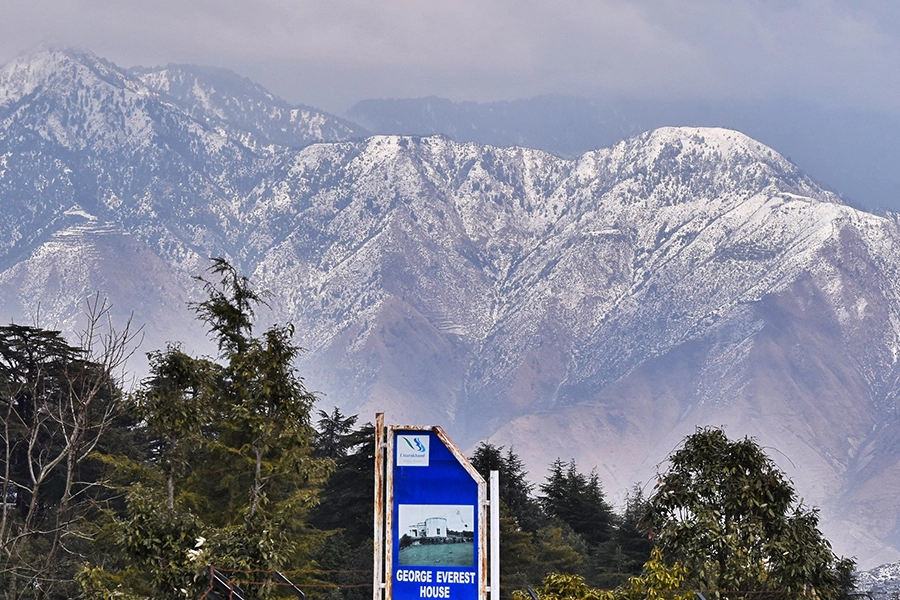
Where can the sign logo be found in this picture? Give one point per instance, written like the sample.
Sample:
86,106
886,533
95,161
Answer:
412,450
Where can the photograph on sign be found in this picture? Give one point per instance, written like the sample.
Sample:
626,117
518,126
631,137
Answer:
436,535
412,450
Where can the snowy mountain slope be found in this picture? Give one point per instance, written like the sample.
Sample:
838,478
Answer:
850,151
89,136
222,99
80,265
880,582
686,261
82,132
598,308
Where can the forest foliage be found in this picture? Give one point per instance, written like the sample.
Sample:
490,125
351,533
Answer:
226,462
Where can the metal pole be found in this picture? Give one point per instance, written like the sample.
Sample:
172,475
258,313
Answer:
378,583
495,535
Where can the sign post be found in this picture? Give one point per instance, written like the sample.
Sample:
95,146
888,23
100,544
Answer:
435,514
378,587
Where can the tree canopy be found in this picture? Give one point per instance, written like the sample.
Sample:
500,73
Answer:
569,528
217,461
227,475
59,404
577,500
731,517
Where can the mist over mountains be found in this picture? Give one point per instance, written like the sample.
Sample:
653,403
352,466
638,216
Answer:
597,307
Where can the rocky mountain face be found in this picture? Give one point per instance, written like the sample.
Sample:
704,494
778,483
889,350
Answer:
596,308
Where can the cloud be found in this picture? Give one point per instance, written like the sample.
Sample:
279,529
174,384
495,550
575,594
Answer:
339,51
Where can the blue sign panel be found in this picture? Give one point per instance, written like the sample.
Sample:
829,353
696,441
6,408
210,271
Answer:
435,516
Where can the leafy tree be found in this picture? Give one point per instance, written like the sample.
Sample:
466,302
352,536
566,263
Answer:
229,309
58,404
146,544
174,404
264,405
564,586
258,439
726,512
657,582
155,540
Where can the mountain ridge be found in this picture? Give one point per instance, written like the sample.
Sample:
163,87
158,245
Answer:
849,151
596,308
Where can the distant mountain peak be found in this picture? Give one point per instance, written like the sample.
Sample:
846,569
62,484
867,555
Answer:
194,82
49,65
219,97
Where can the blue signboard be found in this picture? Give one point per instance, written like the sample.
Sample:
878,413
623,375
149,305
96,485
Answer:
436,515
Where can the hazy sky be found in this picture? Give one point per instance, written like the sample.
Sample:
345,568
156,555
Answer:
331,53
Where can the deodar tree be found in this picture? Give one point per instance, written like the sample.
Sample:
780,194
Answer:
577,500
264,405
59,403
228,476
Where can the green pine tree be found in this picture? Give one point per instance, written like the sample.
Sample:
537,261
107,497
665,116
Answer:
228,477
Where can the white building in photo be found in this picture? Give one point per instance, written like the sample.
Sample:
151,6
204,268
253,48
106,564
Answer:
430,527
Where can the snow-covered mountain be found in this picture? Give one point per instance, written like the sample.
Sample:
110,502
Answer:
852,151
597,308
91,156
881,582
225,101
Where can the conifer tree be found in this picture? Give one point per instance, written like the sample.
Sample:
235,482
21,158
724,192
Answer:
346,504
632,544
578,501
520,518
516,492
228,478
59,403
332,435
